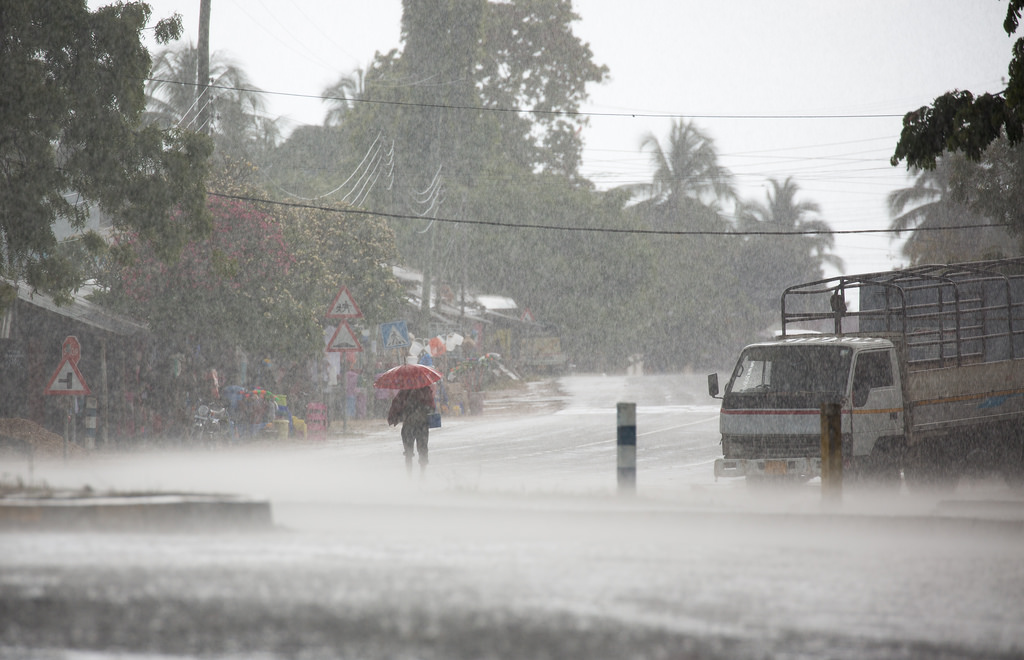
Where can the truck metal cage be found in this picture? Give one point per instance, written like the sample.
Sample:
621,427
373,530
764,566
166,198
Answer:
943,315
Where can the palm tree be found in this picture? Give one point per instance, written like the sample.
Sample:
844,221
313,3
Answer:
340,96
809,239
772,263
238,118
688,181
937,199
688,273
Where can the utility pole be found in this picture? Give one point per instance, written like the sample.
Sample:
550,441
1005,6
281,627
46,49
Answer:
203,77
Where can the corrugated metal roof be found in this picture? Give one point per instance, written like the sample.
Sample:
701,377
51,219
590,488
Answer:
494,302
83,311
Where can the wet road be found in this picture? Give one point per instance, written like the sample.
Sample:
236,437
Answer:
515,543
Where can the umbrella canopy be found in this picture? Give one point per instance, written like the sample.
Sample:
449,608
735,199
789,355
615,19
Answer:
407,377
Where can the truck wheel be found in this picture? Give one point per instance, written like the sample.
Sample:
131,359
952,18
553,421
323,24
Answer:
927,467
881,470
1013,474
881,476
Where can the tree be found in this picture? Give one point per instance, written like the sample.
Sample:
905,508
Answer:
998,186
687,177
260,283
529,59
946,197
337,247
221,293
477,86
71,99
340,96
238,125
772,263
691,274
959,121
794,258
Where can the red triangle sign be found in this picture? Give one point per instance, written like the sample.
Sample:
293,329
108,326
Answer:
343,340
67,380
343,306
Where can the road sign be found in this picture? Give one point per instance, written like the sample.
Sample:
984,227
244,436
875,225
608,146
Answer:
343,340
67,380
71,349
343,306
395,334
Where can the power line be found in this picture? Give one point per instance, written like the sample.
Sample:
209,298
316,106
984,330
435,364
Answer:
568,113
600,230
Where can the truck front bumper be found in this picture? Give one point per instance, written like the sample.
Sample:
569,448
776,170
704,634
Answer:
782,468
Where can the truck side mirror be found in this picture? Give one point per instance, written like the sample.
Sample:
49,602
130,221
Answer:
713,385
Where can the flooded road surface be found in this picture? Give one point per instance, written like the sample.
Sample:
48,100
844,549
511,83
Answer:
516,543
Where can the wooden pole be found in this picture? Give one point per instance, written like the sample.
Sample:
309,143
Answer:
831,452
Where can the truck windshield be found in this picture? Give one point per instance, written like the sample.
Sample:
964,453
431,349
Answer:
792,369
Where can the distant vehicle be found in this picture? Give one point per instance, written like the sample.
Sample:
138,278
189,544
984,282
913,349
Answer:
929,374
541,351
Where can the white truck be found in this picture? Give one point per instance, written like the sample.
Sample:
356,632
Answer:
928,371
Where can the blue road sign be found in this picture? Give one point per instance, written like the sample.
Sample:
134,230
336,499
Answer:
395,334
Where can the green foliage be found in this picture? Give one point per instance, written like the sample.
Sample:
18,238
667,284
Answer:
238,124
776,263
531,60
334,249
959,129
998,182
959,192
959,121
262,281
587,283
478,86
439,130
686,174
221,292
71,97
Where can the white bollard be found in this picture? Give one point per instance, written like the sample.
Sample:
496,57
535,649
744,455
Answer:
626,446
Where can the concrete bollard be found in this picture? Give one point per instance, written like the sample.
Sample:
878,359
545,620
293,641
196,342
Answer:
626,446
831,452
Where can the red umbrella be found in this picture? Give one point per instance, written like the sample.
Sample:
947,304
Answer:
407,377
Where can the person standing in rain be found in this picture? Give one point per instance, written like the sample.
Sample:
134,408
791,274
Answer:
412,408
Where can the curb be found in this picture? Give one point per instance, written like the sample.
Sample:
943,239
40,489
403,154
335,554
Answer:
147,513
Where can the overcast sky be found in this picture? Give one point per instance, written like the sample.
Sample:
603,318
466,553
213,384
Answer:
835,77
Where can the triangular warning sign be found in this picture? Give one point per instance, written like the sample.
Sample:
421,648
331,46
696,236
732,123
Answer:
343,340
67,380
343,306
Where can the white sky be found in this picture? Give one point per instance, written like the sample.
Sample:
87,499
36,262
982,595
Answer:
715,62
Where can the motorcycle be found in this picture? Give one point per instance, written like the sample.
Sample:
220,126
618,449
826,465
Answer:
210,423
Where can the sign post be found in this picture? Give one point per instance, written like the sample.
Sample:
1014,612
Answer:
67,380
343,307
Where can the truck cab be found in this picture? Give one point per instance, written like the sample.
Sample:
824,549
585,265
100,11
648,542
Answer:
771,407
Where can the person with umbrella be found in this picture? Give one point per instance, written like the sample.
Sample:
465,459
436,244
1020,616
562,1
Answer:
412,406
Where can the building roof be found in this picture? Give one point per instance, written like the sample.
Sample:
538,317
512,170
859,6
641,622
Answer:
82,311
